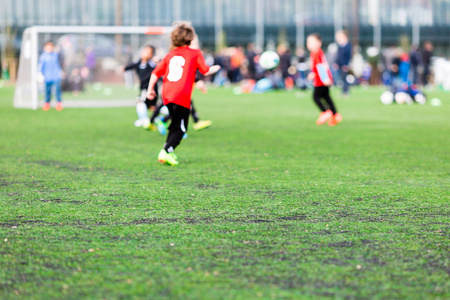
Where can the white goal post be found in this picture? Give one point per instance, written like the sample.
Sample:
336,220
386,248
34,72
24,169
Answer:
114,40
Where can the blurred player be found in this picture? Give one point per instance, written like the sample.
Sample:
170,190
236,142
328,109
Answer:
161,123
343,58
144,68
50,72
321,76
178,68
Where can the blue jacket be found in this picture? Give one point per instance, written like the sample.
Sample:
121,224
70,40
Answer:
344,55
49,66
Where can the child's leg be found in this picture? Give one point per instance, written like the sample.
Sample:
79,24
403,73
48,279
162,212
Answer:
328,100
48,91
194,113
317,96
178,126
58,91
141,110
156,112
160,123
151,104
322,92
141,107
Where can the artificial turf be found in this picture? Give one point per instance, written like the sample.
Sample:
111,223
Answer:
263,204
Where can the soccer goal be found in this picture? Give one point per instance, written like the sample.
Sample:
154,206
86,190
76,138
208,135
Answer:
91,58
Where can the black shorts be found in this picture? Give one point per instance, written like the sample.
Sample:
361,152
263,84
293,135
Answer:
143,98
321,91
179,116
150,103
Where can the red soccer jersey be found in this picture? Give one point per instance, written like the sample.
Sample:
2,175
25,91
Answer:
179,68
318,60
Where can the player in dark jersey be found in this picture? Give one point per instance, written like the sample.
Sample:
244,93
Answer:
144,68
321,76
178,68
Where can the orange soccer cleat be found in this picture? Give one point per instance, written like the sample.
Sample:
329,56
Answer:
324,116
46,106
59,106
336,119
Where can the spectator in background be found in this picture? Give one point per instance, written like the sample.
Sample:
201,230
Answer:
395,70
388,55
302,67
404,68
331,55
222,59
415,60
76,81
51,73
285,60
343,58
426,61
90,63
236,59
357,64
250,55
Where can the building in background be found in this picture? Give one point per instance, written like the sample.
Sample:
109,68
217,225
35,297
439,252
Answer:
237,22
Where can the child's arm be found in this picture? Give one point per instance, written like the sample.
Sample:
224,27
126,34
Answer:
41,64
201,86
159,71
203,67
130,66
199,83
151,94
212,70
322,69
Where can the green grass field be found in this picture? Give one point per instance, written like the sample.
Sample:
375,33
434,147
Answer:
264,204
103,92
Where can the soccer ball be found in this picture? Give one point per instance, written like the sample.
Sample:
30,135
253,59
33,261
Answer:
420,98
436,102
387,98
402,98
269,60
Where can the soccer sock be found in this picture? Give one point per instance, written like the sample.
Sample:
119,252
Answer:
166,119
319,103
141,110
155,113
178,126
173,140
330,104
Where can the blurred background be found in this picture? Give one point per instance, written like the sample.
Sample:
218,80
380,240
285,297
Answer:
233,28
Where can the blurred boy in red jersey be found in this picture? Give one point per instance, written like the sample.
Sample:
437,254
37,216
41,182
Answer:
178,68
321,76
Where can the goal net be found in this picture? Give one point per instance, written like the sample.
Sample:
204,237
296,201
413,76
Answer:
91,59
